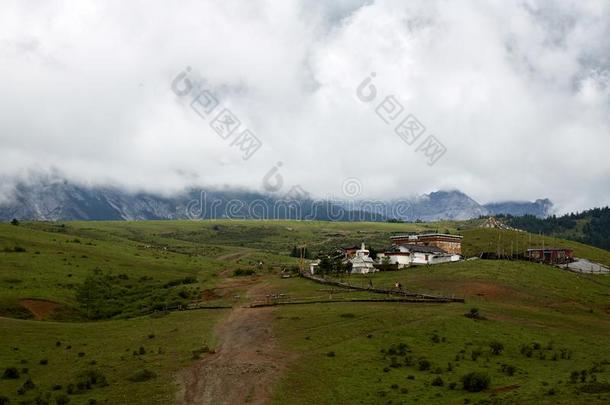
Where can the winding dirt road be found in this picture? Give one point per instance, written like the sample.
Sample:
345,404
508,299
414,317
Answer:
245,366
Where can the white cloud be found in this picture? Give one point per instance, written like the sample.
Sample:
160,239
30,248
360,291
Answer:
517,91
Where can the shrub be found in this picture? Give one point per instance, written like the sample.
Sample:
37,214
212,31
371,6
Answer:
141,350
62,399
452,385
19,249
4,400
142,375
15,222
25,370
527,350
508,369
10,373
437,382
496,347
595,388
330,354
198,352
410,377
90,379
474,355
56,387
583,376
28,385
475,381
424,365
44,362
474,314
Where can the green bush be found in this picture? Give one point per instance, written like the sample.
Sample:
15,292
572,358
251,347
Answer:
437,382
475,381
10,373
90,379
496,347
197,353
474,314
424,365
28,385
508,369
595,388
62,399
142,375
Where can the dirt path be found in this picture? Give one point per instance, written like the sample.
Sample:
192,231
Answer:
39,308
244,367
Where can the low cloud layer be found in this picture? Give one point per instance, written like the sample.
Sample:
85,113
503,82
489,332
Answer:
517,92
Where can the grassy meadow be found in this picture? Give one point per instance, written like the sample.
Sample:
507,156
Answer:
76,301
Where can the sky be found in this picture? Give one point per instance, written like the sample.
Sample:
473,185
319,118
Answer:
503,100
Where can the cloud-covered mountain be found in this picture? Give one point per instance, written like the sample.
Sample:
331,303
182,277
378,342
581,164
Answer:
521,105
62,200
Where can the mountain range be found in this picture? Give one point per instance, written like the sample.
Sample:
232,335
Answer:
62,200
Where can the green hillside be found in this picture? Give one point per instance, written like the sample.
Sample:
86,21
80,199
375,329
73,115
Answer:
76,300
477,240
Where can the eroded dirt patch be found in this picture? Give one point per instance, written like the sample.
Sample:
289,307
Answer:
39,308
245,365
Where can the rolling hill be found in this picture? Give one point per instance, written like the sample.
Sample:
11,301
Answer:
103,344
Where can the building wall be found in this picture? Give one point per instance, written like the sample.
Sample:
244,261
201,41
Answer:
356,269
447,243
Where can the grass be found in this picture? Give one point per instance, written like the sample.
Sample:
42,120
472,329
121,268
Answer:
477,240
108,347
528,304
343,352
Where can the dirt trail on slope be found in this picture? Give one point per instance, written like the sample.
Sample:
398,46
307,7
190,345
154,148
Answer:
38,307
245,366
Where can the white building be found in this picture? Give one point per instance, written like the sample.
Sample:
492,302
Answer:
313,266
407,255
361,262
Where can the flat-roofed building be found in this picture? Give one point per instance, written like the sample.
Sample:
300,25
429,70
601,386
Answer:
448,243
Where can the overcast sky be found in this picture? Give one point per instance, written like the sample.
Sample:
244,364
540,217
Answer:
517,92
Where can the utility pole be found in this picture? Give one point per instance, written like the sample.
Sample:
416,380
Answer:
302,260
